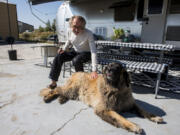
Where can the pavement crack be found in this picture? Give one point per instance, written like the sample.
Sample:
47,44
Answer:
13,98
74,116
4,105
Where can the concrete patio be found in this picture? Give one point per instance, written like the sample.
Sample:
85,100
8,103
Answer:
23,112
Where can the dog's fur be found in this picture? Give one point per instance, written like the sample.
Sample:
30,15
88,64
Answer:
109,95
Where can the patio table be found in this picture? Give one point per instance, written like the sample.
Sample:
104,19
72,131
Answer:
154,67
49,51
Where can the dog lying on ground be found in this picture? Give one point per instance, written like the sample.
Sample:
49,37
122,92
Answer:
109,95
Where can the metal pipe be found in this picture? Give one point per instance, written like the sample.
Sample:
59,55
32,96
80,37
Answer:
9,22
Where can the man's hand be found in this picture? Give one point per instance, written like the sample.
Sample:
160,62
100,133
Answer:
94,75
60,51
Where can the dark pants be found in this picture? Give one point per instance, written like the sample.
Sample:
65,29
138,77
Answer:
77,58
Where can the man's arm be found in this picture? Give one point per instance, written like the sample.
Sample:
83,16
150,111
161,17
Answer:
68,43
61,50
92,46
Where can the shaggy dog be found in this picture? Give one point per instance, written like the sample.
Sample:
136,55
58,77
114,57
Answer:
109,95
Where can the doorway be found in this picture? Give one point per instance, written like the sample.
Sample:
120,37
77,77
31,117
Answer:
154,21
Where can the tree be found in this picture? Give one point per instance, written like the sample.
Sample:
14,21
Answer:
41,29
48,26
54,25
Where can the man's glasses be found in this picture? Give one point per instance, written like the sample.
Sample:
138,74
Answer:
78,27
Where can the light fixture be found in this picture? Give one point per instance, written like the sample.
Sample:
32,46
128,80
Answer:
101,11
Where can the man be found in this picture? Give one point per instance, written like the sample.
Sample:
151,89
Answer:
82,41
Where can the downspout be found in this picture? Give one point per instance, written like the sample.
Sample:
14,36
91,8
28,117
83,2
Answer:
165,25
17,24
9,21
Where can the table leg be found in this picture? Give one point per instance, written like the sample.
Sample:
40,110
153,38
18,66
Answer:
45,56
157,84
161,56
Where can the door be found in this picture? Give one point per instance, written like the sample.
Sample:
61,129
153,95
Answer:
154,21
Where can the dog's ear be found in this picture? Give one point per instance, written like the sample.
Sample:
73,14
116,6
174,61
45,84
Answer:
126,78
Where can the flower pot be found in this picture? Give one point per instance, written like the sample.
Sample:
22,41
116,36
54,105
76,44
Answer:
12,54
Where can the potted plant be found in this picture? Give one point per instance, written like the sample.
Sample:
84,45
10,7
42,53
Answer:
12,53
10,39
118,34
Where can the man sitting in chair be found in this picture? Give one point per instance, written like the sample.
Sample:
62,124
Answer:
84,49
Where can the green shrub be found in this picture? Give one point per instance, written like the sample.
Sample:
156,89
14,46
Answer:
118,33
26,36
35,36
43,36
41,29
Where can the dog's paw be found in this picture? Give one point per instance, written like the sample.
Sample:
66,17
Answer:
157,119
62,99
136,129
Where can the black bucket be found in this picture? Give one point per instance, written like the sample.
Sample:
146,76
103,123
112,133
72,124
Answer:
12,54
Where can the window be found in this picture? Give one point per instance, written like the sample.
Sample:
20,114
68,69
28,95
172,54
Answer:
175,7
101,31
124,10
173,33
140,10
155,6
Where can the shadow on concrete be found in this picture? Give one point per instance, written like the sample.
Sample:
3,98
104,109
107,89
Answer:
20,59
147,107
150,108
167,94
17,60
17,42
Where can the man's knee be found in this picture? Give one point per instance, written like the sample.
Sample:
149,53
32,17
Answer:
78,64
77,61
60,56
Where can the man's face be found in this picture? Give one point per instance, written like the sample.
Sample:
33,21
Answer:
77,26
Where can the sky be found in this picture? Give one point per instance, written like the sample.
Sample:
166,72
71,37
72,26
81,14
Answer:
45,12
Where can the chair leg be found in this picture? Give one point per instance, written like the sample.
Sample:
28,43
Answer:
102,68
89,67
67,67
64,69
70,66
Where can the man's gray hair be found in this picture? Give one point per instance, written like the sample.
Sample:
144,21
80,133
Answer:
80,18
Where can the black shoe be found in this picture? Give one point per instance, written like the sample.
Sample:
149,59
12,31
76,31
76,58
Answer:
52,86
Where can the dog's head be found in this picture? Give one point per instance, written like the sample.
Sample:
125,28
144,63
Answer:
116,74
